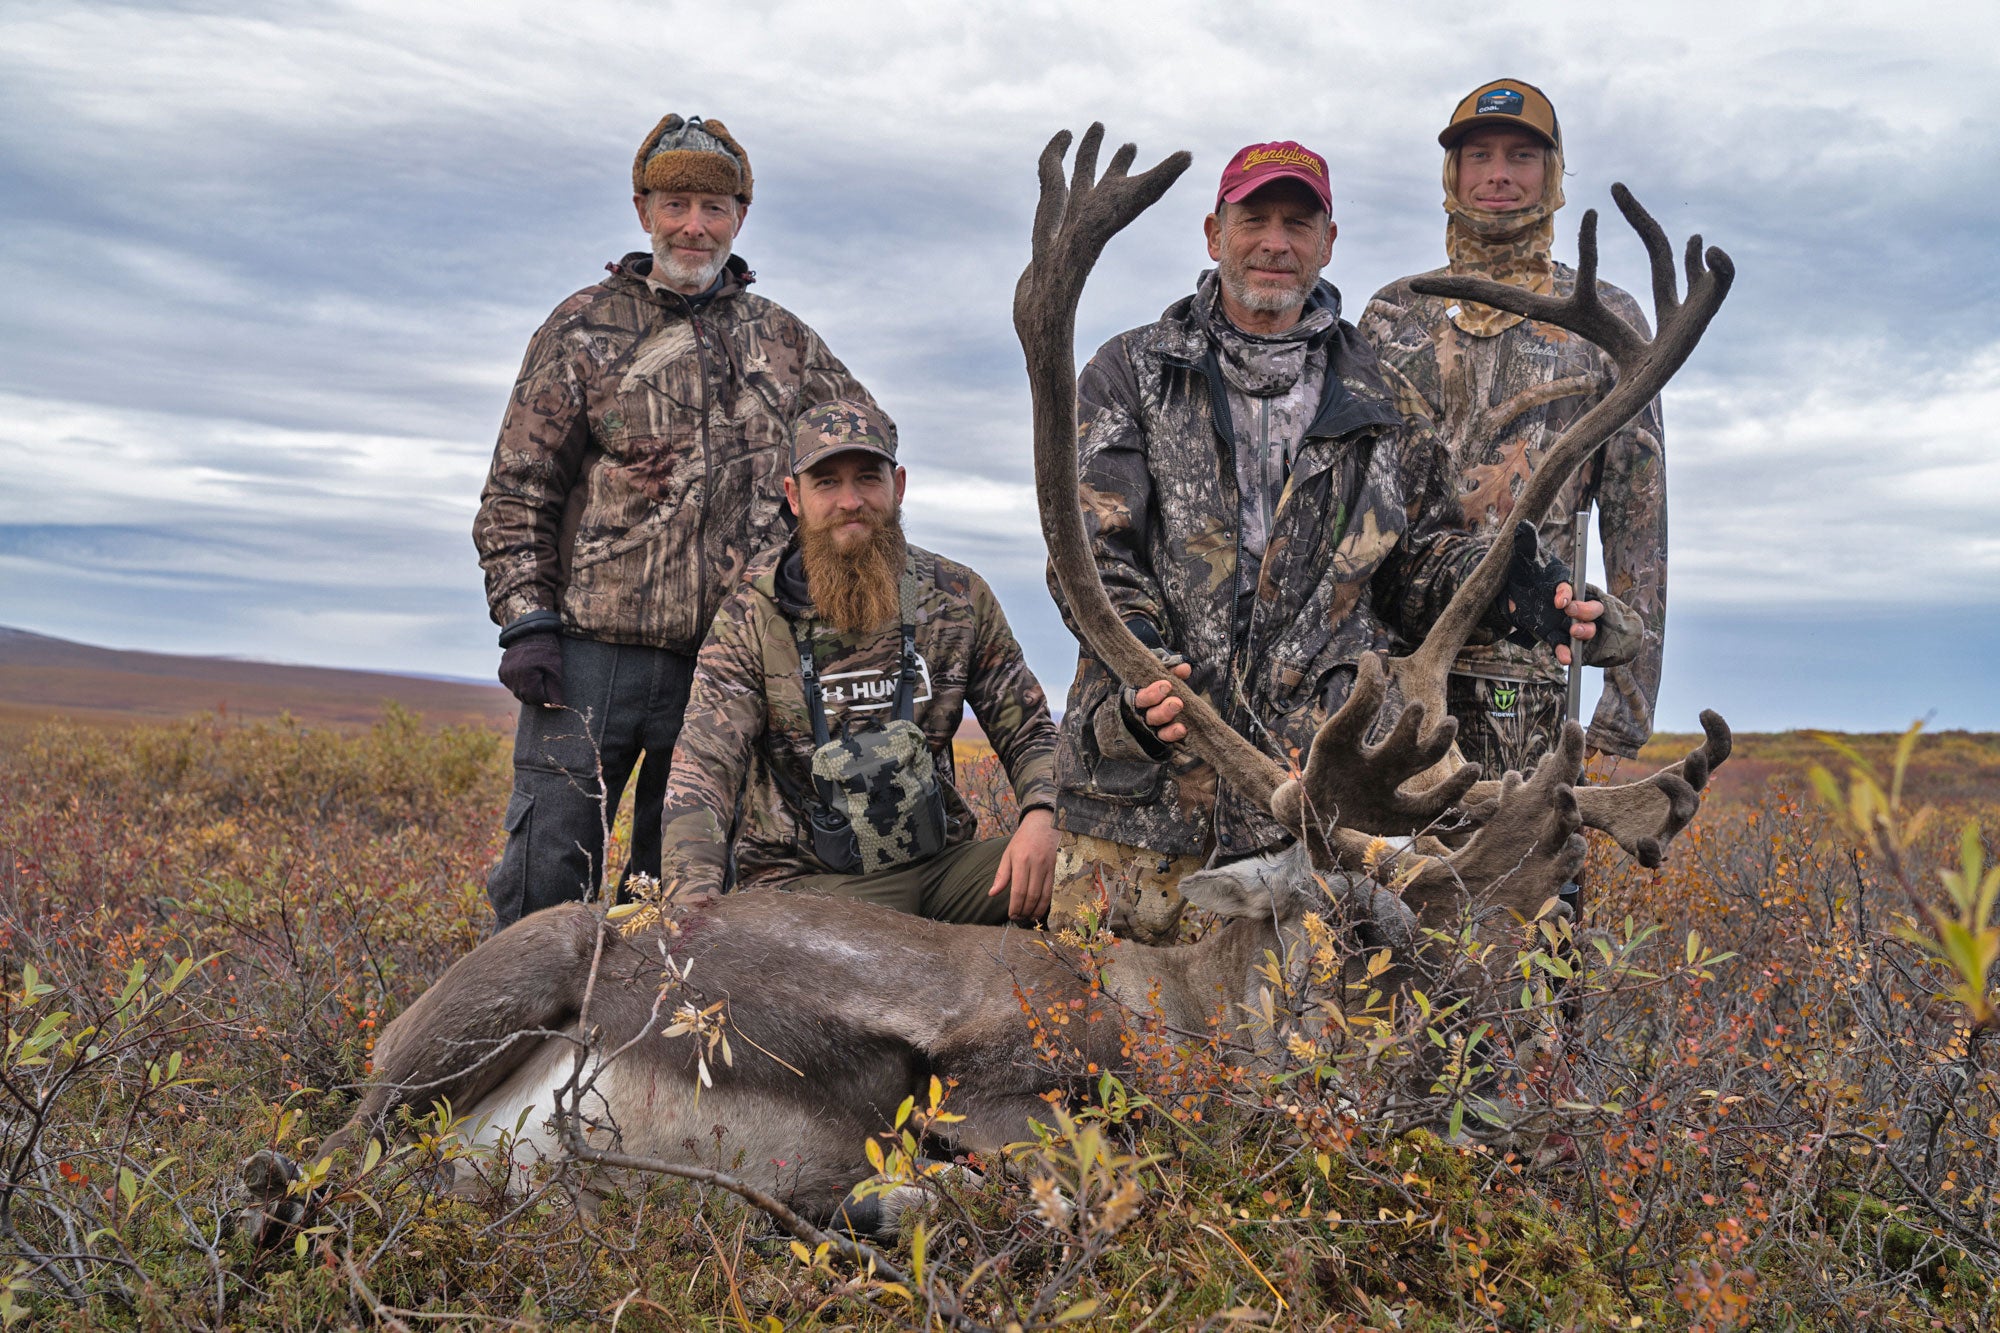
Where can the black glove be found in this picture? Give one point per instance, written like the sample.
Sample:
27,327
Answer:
532,667
1526,612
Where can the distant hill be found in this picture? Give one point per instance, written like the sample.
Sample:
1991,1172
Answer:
43,677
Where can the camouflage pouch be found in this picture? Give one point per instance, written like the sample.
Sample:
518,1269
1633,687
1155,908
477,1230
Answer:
885,786
878,802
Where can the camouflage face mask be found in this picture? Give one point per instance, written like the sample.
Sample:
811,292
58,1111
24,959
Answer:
1510,247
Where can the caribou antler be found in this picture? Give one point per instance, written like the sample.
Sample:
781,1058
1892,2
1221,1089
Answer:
1522,855
1351,789
1644,367
1072,224
1351,784
1642,816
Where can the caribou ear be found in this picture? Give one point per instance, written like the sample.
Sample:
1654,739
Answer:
1259,886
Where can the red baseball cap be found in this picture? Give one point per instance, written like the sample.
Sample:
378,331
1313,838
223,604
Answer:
1257,165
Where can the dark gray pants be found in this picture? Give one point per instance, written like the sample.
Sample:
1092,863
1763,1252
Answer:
622,702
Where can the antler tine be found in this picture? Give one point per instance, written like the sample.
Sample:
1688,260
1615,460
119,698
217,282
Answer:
1666,292
1054,200
1083,174
1073,224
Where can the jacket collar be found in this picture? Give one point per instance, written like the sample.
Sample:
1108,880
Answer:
630,273
1353,397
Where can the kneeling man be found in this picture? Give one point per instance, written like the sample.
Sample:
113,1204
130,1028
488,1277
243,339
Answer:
825,702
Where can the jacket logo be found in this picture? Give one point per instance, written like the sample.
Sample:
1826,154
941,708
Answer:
872,690
1504,697
1288,157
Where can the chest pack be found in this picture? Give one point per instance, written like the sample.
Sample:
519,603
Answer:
877,803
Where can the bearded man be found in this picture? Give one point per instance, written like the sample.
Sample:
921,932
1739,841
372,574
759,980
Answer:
818,744
638,469
1499,390
1262,515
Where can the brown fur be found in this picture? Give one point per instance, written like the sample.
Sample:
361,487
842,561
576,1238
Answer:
836,1011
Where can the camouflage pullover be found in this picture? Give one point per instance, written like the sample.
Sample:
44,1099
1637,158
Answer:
1497,403
1357,537
744,758
641,461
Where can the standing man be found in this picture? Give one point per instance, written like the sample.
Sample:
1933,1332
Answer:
1499,390
1259,508
639,468
826,700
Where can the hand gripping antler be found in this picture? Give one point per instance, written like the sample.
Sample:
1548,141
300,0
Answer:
1073,223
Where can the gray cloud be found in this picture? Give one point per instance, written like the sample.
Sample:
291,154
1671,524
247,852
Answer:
270,270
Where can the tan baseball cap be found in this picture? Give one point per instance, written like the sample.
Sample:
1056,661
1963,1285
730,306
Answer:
1504,102
839,427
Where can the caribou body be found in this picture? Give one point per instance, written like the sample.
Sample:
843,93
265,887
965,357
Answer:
835,1011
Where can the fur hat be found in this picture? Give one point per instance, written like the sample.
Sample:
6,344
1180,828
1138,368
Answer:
692,154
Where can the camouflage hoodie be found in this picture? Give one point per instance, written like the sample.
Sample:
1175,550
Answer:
1357,537
1498,401
747,729
641,461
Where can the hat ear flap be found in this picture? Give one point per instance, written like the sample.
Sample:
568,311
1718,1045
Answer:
721,131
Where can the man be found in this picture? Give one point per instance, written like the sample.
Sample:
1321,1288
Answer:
637,472
1259,509
1499,390
825,703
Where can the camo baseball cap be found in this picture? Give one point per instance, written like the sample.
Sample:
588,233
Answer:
841,426
1504,102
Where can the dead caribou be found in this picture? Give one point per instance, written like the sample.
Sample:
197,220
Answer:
837,1010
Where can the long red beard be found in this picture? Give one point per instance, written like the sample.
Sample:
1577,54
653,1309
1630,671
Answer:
856,590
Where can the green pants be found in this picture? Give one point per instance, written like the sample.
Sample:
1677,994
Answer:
951,886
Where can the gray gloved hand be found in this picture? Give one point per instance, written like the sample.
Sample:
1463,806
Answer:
1621,635
532,668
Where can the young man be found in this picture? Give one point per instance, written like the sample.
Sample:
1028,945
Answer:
1499,390
1261,514
638,470
818,739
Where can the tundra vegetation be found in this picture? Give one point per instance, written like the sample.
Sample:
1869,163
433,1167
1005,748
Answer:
1775,1103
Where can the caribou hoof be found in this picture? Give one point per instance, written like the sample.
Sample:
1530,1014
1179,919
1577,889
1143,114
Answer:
274,1212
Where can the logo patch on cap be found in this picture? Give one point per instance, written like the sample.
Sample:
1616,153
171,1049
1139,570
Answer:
1503,101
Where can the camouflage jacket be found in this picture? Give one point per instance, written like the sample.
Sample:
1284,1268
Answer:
1358,536
642,458
744,757
1488,398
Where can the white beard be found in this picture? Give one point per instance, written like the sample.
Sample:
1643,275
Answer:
692,279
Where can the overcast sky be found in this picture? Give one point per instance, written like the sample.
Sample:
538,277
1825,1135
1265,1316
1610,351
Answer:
269,270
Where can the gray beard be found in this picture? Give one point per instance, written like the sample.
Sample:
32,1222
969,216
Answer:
1263,300
691,279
